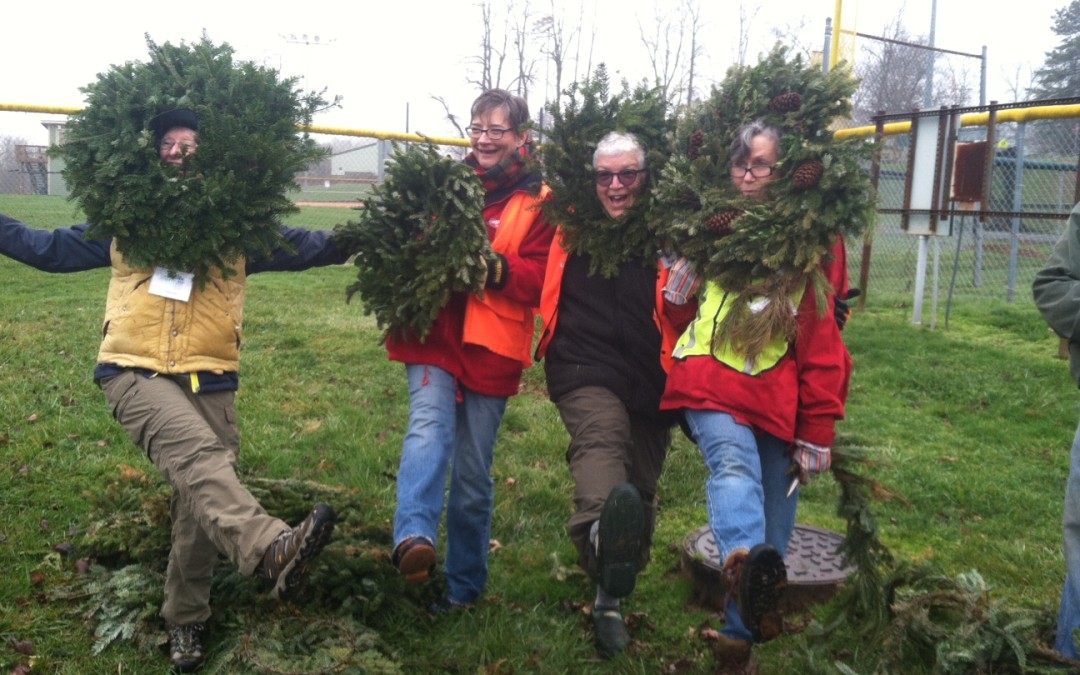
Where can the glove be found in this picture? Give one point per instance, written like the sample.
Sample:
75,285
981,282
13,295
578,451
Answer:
842,309
682,282
812,459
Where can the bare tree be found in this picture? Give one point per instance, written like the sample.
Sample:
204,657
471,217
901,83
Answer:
492,50
523,34
892,70
746,18
556,45
664,46
450,116
793,35
693,12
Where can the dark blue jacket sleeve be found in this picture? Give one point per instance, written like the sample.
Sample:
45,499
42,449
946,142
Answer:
61,250
312,248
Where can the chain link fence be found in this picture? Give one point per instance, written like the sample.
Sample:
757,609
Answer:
986,252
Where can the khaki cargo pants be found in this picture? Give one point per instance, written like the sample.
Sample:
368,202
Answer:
193,441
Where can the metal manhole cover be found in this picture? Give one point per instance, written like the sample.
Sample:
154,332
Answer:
814,567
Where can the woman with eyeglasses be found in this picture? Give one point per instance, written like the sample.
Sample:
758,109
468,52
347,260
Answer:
461,375
601,342
761,400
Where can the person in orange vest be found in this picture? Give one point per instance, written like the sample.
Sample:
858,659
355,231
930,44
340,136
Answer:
602,342
461,375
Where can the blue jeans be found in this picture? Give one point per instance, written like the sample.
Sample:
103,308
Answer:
746,491
1069,616
450,429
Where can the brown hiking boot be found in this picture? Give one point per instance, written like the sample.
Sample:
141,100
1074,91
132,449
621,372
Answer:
757,579
415,558
733,657
287,560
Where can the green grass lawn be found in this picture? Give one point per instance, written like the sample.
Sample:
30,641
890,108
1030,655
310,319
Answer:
970,428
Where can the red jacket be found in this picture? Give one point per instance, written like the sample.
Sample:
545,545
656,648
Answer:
487,363
802,396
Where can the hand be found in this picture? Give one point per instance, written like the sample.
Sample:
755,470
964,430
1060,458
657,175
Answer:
842,309
812,459
682,282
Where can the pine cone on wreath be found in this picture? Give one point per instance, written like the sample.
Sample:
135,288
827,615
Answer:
697,139
808,174
721,222
690,199
785,103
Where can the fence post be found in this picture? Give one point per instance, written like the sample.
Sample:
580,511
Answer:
1017,207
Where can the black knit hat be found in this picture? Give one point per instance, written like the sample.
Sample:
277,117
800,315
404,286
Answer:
171,119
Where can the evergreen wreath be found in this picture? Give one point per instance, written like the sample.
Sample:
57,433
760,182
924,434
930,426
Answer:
769,248
590,112
419,237
228,198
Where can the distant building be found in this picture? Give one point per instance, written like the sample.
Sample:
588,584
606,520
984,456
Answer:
364,162
57,185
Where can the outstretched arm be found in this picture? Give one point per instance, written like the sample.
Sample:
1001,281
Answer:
61,250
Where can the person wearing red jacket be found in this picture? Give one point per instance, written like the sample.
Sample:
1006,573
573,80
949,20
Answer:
764,422
461,375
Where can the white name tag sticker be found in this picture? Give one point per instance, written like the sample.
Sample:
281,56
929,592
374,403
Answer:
171,284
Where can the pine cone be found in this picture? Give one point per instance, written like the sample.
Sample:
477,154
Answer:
721,223
690,199
808,174
785,103
697,139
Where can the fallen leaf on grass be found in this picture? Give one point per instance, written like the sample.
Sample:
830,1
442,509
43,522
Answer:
22,646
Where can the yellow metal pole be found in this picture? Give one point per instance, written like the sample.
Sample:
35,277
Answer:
834,53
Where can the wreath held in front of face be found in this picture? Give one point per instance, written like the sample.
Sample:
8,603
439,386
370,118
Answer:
228,198
772,247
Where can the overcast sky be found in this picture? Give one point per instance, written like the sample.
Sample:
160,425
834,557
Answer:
389,57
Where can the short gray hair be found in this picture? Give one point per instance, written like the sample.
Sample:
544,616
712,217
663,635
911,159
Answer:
617,143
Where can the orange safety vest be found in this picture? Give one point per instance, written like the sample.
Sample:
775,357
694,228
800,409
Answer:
493,321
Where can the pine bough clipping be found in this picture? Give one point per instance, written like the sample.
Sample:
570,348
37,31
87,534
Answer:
229,197
420,237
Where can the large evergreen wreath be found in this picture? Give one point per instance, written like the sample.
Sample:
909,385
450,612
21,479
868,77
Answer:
773,247
229,197
419,237
590,112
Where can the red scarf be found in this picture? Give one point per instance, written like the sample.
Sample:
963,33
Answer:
504,174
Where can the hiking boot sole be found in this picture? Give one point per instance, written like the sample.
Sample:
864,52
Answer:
621,523
417,559
761,589
294,574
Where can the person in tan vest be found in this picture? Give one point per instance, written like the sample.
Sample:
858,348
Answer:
168,366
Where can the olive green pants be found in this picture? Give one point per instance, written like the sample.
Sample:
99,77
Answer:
193,441
609,446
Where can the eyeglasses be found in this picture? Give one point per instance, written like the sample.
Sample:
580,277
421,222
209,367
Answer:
185,146
494,133
757,171
627,177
